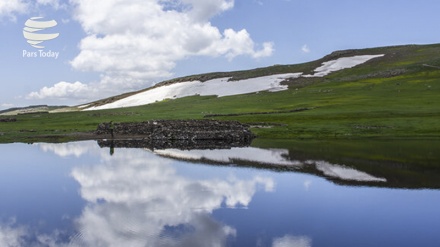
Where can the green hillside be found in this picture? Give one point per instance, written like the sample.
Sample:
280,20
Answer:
394,96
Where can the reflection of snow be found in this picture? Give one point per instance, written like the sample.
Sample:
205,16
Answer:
258,155
292,241
341,63
137,199
344,173
220,87
276,157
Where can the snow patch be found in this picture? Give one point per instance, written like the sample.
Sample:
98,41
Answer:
83,106
220,87
340,64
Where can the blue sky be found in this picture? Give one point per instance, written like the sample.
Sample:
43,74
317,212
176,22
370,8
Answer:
107,47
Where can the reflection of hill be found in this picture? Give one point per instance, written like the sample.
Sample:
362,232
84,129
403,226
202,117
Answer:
273,159
393,164
413,164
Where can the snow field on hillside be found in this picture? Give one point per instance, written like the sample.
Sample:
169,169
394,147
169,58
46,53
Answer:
223,87
340,64
220,87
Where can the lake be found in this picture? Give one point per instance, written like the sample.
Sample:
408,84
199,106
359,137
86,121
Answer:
273,193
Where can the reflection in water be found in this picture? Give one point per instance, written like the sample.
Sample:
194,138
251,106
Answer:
136,198
137,193
139,197
12,235
272,157
172,144
76,149
344,173
257,155
292,241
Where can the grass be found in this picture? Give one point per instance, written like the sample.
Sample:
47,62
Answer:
367,101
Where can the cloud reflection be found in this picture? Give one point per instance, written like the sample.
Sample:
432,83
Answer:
76,149
138,199
292,241
12,235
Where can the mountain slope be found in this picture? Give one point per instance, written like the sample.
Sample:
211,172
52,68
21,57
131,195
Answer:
394,94
387,62
227,87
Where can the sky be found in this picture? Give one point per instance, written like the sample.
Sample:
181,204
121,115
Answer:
108,47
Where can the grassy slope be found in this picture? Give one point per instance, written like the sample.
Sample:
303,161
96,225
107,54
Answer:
393,96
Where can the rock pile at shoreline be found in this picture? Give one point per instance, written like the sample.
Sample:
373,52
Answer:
178,130
172,144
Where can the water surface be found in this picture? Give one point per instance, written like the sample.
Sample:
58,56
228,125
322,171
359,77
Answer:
78,194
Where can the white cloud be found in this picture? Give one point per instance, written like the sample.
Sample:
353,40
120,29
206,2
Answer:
8,8
54,3
292,241
134,43
62,90
305,48
203,10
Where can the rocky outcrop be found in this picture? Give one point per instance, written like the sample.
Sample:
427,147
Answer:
231,131
7,120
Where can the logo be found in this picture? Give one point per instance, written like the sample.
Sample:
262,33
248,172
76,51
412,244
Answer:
33,29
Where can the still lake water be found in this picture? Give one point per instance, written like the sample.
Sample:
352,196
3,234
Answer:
78,194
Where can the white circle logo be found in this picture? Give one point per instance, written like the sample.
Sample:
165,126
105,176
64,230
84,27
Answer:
32,29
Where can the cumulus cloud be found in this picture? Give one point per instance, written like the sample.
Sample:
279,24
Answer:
9,8
54,3
134,43
62,90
